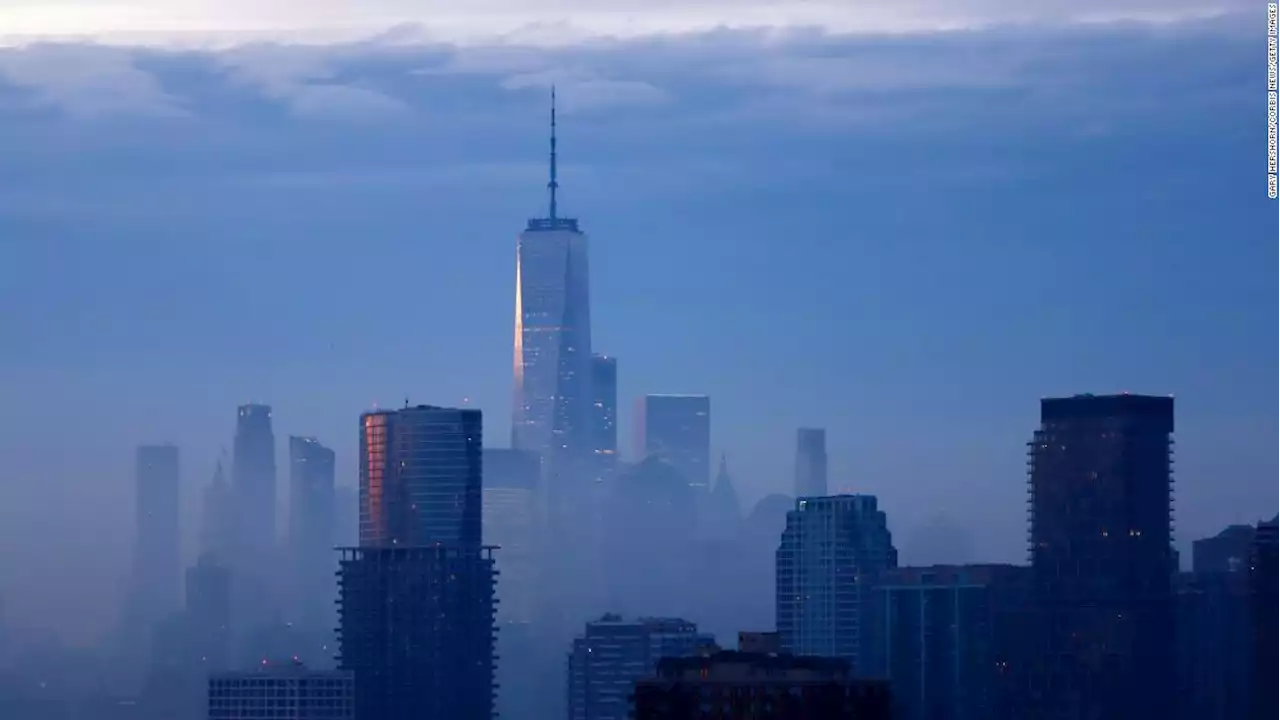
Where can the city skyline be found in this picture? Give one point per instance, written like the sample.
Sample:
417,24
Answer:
647,239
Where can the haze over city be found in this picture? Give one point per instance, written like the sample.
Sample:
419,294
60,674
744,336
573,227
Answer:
904,224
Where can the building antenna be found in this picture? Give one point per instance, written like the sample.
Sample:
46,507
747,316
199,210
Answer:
552,185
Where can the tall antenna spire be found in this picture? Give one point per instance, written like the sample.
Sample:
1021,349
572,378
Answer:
552,185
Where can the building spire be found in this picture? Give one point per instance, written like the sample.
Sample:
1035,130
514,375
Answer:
552,185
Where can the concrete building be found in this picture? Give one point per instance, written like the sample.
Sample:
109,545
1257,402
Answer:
944,636
282,691
612,653
740,685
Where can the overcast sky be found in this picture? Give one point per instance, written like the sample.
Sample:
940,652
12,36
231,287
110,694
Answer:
907,235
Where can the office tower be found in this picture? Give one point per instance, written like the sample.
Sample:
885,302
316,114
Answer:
833,552
416,599
604,414
740,685
944,636
218,516
1100,497
282,691
157,549
552,405
607,659
312,531
677,429
510,523
1263,589
253,483
811,462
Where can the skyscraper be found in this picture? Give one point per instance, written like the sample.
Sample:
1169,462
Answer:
416,599
811,462
677,429
282,691
253,484
1100,504
157,550
552,409
604,414
312,531
420,477
832,554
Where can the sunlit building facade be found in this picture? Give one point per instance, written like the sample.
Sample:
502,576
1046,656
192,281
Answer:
420,477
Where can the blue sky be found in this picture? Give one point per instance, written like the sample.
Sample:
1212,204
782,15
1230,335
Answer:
907,237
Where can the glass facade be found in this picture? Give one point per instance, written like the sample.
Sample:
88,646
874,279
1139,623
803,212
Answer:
312,529
420,477
811,462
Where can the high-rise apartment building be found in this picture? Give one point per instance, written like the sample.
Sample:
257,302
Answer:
510,511
1100,501
312,531
416,599
612,654
676,429
944,636
1263,594
420,477
282,691
811,462
552,409
157,549
604,415
832,555
740,685
253,485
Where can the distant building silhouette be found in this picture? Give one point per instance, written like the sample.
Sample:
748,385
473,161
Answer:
722,513
608,658
944,636
157,549
1263,589
1102,565
312,531
282,691
604,414
511,522
256,546
1226,552
740,685
676,429
218,516
833,553
416,599
811,462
